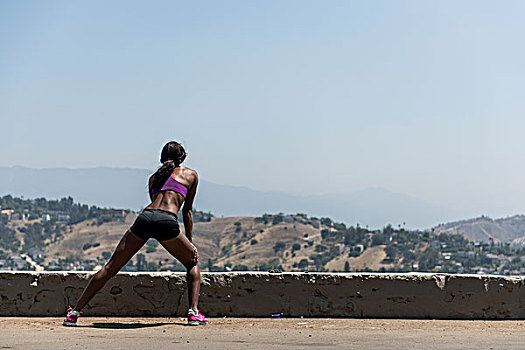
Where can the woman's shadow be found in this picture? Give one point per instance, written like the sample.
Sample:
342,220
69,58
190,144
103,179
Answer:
136,325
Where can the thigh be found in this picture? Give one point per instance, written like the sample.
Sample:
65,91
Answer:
182,249
126,248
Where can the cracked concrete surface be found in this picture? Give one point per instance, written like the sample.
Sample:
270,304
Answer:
259,294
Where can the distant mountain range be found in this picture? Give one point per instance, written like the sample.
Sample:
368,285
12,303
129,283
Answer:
126,188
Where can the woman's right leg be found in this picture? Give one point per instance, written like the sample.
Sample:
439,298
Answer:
184,251
127,247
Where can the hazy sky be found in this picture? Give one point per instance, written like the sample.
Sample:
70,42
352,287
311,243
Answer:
420,97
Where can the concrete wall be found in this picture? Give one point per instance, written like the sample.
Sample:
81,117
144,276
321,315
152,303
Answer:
255,294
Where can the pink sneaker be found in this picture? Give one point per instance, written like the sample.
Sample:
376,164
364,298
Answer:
196,318
71,318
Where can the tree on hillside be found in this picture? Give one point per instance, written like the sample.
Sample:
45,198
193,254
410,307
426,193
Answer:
279,246
141,262
391,252
326,222
320,248
238,226
303,263
378,239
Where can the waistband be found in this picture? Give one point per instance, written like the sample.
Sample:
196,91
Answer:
161,211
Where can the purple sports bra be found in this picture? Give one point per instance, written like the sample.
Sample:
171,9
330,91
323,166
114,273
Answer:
171,185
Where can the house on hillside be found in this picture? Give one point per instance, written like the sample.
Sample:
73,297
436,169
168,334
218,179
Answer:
435,245
288,219
446,256
17,262
62,218
314,223
6,213
36,253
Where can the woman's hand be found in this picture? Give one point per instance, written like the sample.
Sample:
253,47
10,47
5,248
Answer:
195,254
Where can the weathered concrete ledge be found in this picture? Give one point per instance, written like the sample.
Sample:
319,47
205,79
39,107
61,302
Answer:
256,294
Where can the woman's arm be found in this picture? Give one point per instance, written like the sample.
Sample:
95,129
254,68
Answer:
187,209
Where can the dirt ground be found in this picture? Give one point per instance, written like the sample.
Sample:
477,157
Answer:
252,333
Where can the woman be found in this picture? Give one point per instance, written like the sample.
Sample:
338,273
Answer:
170,188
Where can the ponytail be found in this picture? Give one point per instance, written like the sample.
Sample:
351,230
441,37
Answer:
163,173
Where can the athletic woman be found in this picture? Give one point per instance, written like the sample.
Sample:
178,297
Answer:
171,187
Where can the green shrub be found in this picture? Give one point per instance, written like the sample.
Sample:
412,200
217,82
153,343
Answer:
279,246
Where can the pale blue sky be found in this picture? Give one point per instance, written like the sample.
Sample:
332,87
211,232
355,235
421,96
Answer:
420,97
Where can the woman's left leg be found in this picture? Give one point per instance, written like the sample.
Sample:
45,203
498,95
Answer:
127,247
184,251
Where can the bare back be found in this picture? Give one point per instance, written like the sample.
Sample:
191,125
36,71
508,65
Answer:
173,201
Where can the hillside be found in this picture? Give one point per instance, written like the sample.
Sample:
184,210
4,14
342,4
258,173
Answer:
485,229
240,243
63,235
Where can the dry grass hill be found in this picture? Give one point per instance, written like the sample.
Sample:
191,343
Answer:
232,242
63,235
484,229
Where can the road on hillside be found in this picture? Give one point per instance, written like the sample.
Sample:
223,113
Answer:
250,333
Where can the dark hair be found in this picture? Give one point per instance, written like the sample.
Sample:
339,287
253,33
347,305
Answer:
172,155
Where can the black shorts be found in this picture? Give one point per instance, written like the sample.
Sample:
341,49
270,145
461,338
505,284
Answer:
156,223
